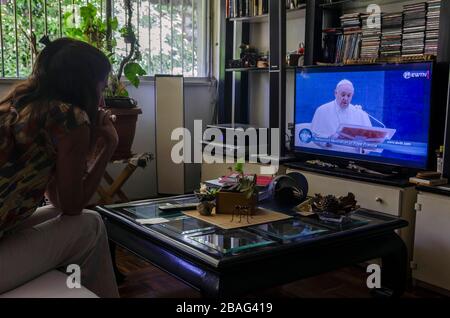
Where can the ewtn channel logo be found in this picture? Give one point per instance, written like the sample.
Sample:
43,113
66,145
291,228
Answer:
412,75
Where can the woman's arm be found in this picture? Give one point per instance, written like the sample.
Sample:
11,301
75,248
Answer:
73,186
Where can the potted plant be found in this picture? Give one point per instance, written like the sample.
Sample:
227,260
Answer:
97,32
241,195
207,197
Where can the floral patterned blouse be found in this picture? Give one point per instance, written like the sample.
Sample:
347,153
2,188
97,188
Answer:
24,176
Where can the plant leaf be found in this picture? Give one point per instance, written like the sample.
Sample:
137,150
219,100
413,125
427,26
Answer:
88,11
114,23
132,72
239,167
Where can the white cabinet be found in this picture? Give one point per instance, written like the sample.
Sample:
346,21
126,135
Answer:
431,263
396,201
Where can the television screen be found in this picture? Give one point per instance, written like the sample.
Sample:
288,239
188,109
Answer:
378,113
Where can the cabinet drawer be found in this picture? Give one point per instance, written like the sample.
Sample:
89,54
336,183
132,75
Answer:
369,196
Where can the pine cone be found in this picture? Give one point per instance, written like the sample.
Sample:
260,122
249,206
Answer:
348,203
326,204
331,204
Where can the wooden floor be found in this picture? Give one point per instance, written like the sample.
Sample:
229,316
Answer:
146,281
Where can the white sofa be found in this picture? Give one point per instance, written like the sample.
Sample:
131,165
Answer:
49,285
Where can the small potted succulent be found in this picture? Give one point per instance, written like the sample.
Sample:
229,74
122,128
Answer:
242,194
207,197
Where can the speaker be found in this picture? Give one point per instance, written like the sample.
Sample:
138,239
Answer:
288,191
172,178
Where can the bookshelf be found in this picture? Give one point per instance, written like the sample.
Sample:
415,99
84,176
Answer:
234,83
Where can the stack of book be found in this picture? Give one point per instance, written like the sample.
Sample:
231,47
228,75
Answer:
414,26
351,20
246,8
391,36
432,33
428,178
371,37
349,42
331,37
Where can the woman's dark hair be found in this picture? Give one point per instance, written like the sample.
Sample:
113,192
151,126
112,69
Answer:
66,71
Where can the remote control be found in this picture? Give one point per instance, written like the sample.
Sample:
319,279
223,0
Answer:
178,207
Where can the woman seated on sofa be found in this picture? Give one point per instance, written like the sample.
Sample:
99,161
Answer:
50,129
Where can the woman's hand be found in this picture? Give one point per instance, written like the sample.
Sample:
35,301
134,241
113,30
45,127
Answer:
105,133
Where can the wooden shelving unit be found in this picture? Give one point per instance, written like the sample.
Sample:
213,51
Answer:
234,108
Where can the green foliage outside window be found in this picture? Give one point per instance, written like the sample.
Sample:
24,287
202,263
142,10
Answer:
93,29
172,47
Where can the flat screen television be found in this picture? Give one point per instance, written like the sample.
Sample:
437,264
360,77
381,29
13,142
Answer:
372,113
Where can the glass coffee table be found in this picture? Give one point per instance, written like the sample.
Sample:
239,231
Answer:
235,262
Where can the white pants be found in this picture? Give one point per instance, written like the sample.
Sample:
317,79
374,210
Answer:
48,240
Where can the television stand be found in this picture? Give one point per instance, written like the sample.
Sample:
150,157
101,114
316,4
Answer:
351,170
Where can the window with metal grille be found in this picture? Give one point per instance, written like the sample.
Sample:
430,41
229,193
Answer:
172,33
